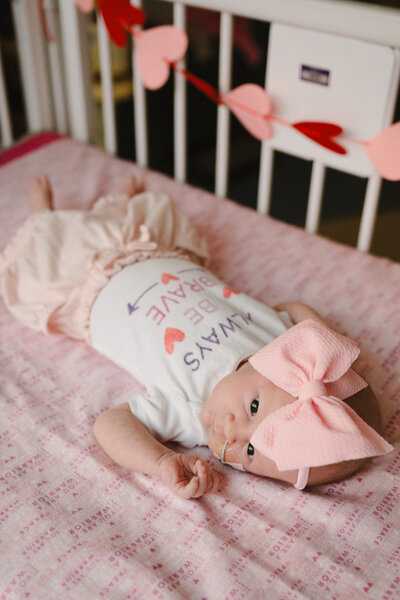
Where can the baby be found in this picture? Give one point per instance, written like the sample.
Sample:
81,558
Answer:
262,387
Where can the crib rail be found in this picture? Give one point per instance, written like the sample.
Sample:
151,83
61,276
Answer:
56,82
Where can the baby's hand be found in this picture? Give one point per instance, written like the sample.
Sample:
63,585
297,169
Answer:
188,476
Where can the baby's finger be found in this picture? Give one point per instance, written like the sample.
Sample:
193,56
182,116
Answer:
187,490
201,479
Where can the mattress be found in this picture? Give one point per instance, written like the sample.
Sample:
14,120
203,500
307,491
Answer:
75,525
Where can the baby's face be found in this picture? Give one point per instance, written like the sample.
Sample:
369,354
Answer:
238,404
234,410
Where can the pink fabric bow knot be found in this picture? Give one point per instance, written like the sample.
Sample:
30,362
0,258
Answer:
313,363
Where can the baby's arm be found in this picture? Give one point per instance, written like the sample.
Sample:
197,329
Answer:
130,444
299,311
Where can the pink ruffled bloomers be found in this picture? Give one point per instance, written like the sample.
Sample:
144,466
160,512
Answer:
58,261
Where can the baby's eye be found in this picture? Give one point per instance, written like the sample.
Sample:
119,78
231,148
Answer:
250,451
254,406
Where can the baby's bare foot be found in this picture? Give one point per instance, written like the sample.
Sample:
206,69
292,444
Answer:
40,194
133,186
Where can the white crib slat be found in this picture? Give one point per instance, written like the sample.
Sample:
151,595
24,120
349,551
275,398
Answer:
265,172
28,85
56,67
35,83
315,196
265,178
5,122
224,83
140,110
180,134
76,85
369,213
110,137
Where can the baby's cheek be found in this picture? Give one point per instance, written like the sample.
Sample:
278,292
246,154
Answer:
205,415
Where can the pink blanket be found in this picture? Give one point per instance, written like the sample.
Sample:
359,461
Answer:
75,526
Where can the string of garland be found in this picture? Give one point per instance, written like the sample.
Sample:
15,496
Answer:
159,49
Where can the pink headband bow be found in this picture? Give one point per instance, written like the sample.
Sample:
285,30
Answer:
312,363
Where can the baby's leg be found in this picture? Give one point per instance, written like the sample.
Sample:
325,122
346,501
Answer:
40,194
132,187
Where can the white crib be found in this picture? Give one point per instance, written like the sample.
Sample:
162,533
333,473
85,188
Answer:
73,524
56,87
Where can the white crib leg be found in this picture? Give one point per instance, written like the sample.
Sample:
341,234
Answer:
369,213
108,109
32,56
315,197
140,110
265,178
78,80
57,67
180,128
225,68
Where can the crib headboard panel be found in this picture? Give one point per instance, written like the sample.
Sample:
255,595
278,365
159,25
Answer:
56,82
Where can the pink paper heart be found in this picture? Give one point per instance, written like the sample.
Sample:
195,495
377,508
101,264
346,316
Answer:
384,152
250,104
85,5
156,48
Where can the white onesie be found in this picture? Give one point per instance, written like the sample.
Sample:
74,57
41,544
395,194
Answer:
179,330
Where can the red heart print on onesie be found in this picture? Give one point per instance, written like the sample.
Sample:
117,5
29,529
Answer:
167,277
228,291
171,336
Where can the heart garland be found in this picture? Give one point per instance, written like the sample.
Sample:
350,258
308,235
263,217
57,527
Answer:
120,16
321,133
252,106
160,48
157,49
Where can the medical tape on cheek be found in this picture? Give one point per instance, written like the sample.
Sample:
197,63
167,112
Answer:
237,466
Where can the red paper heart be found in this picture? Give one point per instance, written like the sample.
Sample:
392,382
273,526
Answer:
167,277
322,134
156,48
119,16
250,104
171,336
228,291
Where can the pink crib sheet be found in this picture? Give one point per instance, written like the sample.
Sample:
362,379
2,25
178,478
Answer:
75,526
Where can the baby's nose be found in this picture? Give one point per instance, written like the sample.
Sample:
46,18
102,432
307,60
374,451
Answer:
232,429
